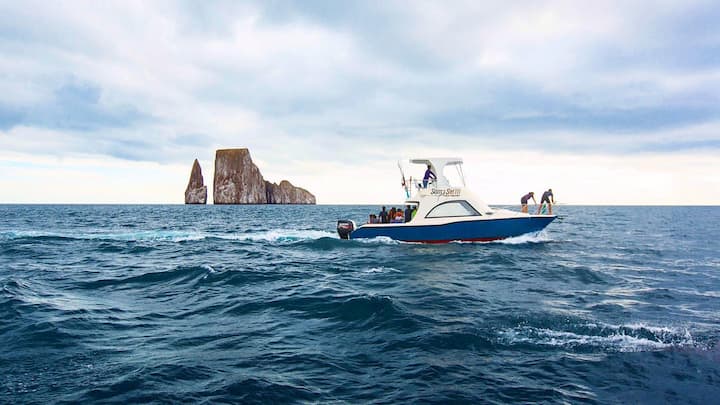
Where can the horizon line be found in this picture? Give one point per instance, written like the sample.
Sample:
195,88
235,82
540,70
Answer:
350,204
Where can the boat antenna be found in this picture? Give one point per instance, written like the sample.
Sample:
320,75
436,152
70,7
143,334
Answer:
404,183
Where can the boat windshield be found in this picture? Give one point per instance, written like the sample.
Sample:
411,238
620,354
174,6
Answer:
454,175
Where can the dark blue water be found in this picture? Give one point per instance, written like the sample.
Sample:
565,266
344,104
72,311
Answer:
264,304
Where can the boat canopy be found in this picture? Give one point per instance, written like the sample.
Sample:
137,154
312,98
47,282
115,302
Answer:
438,164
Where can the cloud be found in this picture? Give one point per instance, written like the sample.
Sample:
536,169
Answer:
75,106
356,83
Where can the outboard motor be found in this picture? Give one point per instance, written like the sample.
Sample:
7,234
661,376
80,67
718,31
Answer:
344,228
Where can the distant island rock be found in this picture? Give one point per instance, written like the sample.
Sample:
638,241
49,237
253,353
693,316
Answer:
238,181
286,193
196,191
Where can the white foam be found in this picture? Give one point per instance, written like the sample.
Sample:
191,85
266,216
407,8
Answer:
161,235
210,270
277,235
281,235
533,237
6,235
623,338
175,236
384,240
381,270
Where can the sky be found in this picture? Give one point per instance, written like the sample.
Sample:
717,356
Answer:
606,102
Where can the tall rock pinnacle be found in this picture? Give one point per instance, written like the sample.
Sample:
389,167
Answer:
237,179
196,191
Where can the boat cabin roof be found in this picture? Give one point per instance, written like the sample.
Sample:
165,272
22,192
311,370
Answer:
437,164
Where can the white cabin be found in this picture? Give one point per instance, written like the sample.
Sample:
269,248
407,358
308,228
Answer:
442,200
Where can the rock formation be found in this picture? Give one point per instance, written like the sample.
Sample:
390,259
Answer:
196,191
286,193
238,181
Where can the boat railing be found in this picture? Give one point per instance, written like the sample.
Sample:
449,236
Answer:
417,184
413,185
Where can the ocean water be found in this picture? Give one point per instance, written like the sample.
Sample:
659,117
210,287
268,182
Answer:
264,304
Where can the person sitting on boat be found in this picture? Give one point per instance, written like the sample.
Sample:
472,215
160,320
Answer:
524,201
547,198
373,219
414,211
428,175
383,216
408,213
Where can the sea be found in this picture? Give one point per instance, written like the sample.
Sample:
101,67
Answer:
264,304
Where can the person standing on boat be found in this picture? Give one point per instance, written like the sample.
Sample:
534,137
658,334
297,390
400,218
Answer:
548,198
524,201
408,213
428,175
383,216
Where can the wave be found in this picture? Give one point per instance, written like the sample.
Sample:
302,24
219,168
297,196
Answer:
149,385
150,235
533,237
279,236
282,235
22,296
271,236
381,269
276,235
177,275
528,238
637,337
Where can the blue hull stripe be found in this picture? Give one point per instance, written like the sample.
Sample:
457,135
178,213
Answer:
490,229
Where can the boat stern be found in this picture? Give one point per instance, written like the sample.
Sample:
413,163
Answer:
345,228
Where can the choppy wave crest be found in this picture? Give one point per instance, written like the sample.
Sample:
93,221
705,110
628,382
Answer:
621,338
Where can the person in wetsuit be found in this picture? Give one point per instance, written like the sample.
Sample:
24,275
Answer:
428,175
524,201
547,198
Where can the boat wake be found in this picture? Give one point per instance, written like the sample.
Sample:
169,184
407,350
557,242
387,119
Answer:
275,235
269,236
533,237
281,235
135,236
528,238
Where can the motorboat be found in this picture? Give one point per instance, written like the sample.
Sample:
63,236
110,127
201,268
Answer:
446,212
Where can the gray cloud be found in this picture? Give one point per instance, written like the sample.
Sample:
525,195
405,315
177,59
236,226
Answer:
161,81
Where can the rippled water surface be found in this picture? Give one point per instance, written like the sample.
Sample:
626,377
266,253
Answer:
265,304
